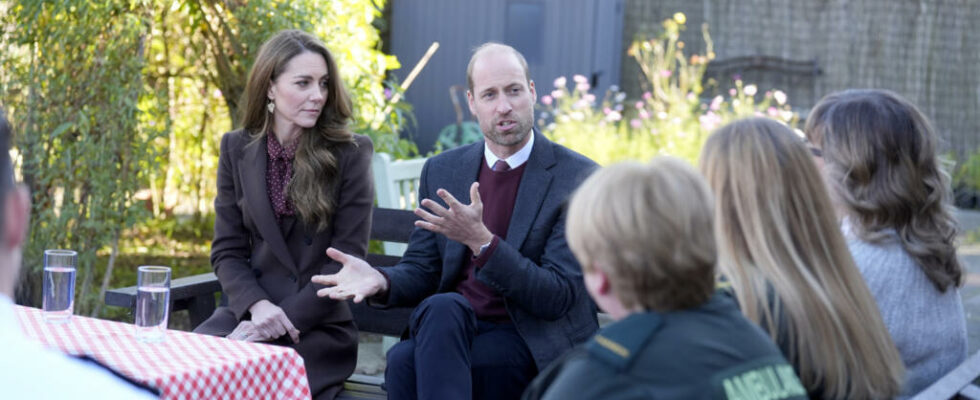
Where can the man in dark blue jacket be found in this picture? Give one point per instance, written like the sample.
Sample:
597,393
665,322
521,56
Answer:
499,293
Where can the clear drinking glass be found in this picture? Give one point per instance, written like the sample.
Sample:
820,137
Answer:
152,302
58,294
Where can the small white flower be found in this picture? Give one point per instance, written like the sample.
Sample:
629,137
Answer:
779,96
750,90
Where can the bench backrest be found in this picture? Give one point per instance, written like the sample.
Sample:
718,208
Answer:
396,184
957,383
196,294
389,225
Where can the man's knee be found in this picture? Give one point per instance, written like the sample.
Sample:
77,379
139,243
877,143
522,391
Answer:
444,314
401,355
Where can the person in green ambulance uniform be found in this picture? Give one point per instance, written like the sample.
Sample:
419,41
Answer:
643,234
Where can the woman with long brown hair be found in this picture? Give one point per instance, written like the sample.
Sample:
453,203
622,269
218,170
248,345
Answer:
789,266
879,155
292,182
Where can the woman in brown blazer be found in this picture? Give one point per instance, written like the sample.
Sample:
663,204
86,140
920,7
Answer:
292,182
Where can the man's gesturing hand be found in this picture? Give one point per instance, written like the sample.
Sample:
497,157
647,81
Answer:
460,222
356,279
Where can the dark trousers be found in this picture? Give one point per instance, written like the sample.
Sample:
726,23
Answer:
452,355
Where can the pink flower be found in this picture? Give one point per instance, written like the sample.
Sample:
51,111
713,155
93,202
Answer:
580,78
716,103
709,121
614,116
639,105
582,86
546,100
647,95
606,110
635,123
589,98
557,94
644,114
772,112
666,73
731,92
560,82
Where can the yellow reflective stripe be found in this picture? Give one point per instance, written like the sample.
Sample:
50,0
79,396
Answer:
612,346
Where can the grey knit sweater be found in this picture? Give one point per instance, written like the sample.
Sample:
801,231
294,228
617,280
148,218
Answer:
927,326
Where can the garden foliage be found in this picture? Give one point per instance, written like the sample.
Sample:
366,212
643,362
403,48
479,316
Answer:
672,117
118,107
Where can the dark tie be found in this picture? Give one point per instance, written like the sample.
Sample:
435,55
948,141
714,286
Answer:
500,166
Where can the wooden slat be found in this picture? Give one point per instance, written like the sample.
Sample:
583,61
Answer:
971,392
392,225
180,289
954,381
363,387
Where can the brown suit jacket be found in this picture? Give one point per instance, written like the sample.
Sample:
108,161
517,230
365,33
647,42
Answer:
257,258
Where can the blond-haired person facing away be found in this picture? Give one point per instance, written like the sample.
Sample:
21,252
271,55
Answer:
879,155
643,235
788,263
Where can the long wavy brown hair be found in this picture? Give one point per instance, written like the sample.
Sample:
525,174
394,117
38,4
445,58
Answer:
315,169
782,249
880,155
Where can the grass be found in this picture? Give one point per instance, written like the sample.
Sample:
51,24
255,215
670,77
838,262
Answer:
181,243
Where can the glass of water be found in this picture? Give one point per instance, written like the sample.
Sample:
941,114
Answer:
152,302
58,294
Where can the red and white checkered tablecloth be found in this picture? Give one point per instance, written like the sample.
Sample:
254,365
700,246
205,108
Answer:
185,365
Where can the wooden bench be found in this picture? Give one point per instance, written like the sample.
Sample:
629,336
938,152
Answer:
958,383
197,294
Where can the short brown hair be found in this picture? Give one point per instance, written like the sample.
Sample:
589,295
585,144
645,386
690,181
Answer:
649,227
493,45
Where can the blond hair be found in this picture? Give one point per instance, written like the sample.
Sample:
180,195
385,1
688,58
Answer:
648,226
315,170
790,268
880,153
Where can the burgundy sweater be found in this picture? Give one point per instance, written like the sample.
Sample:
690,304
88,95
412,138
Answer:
498,190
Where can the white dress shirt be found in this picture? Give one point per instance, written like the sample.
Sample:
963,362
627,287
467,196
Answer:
30,371
515,160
